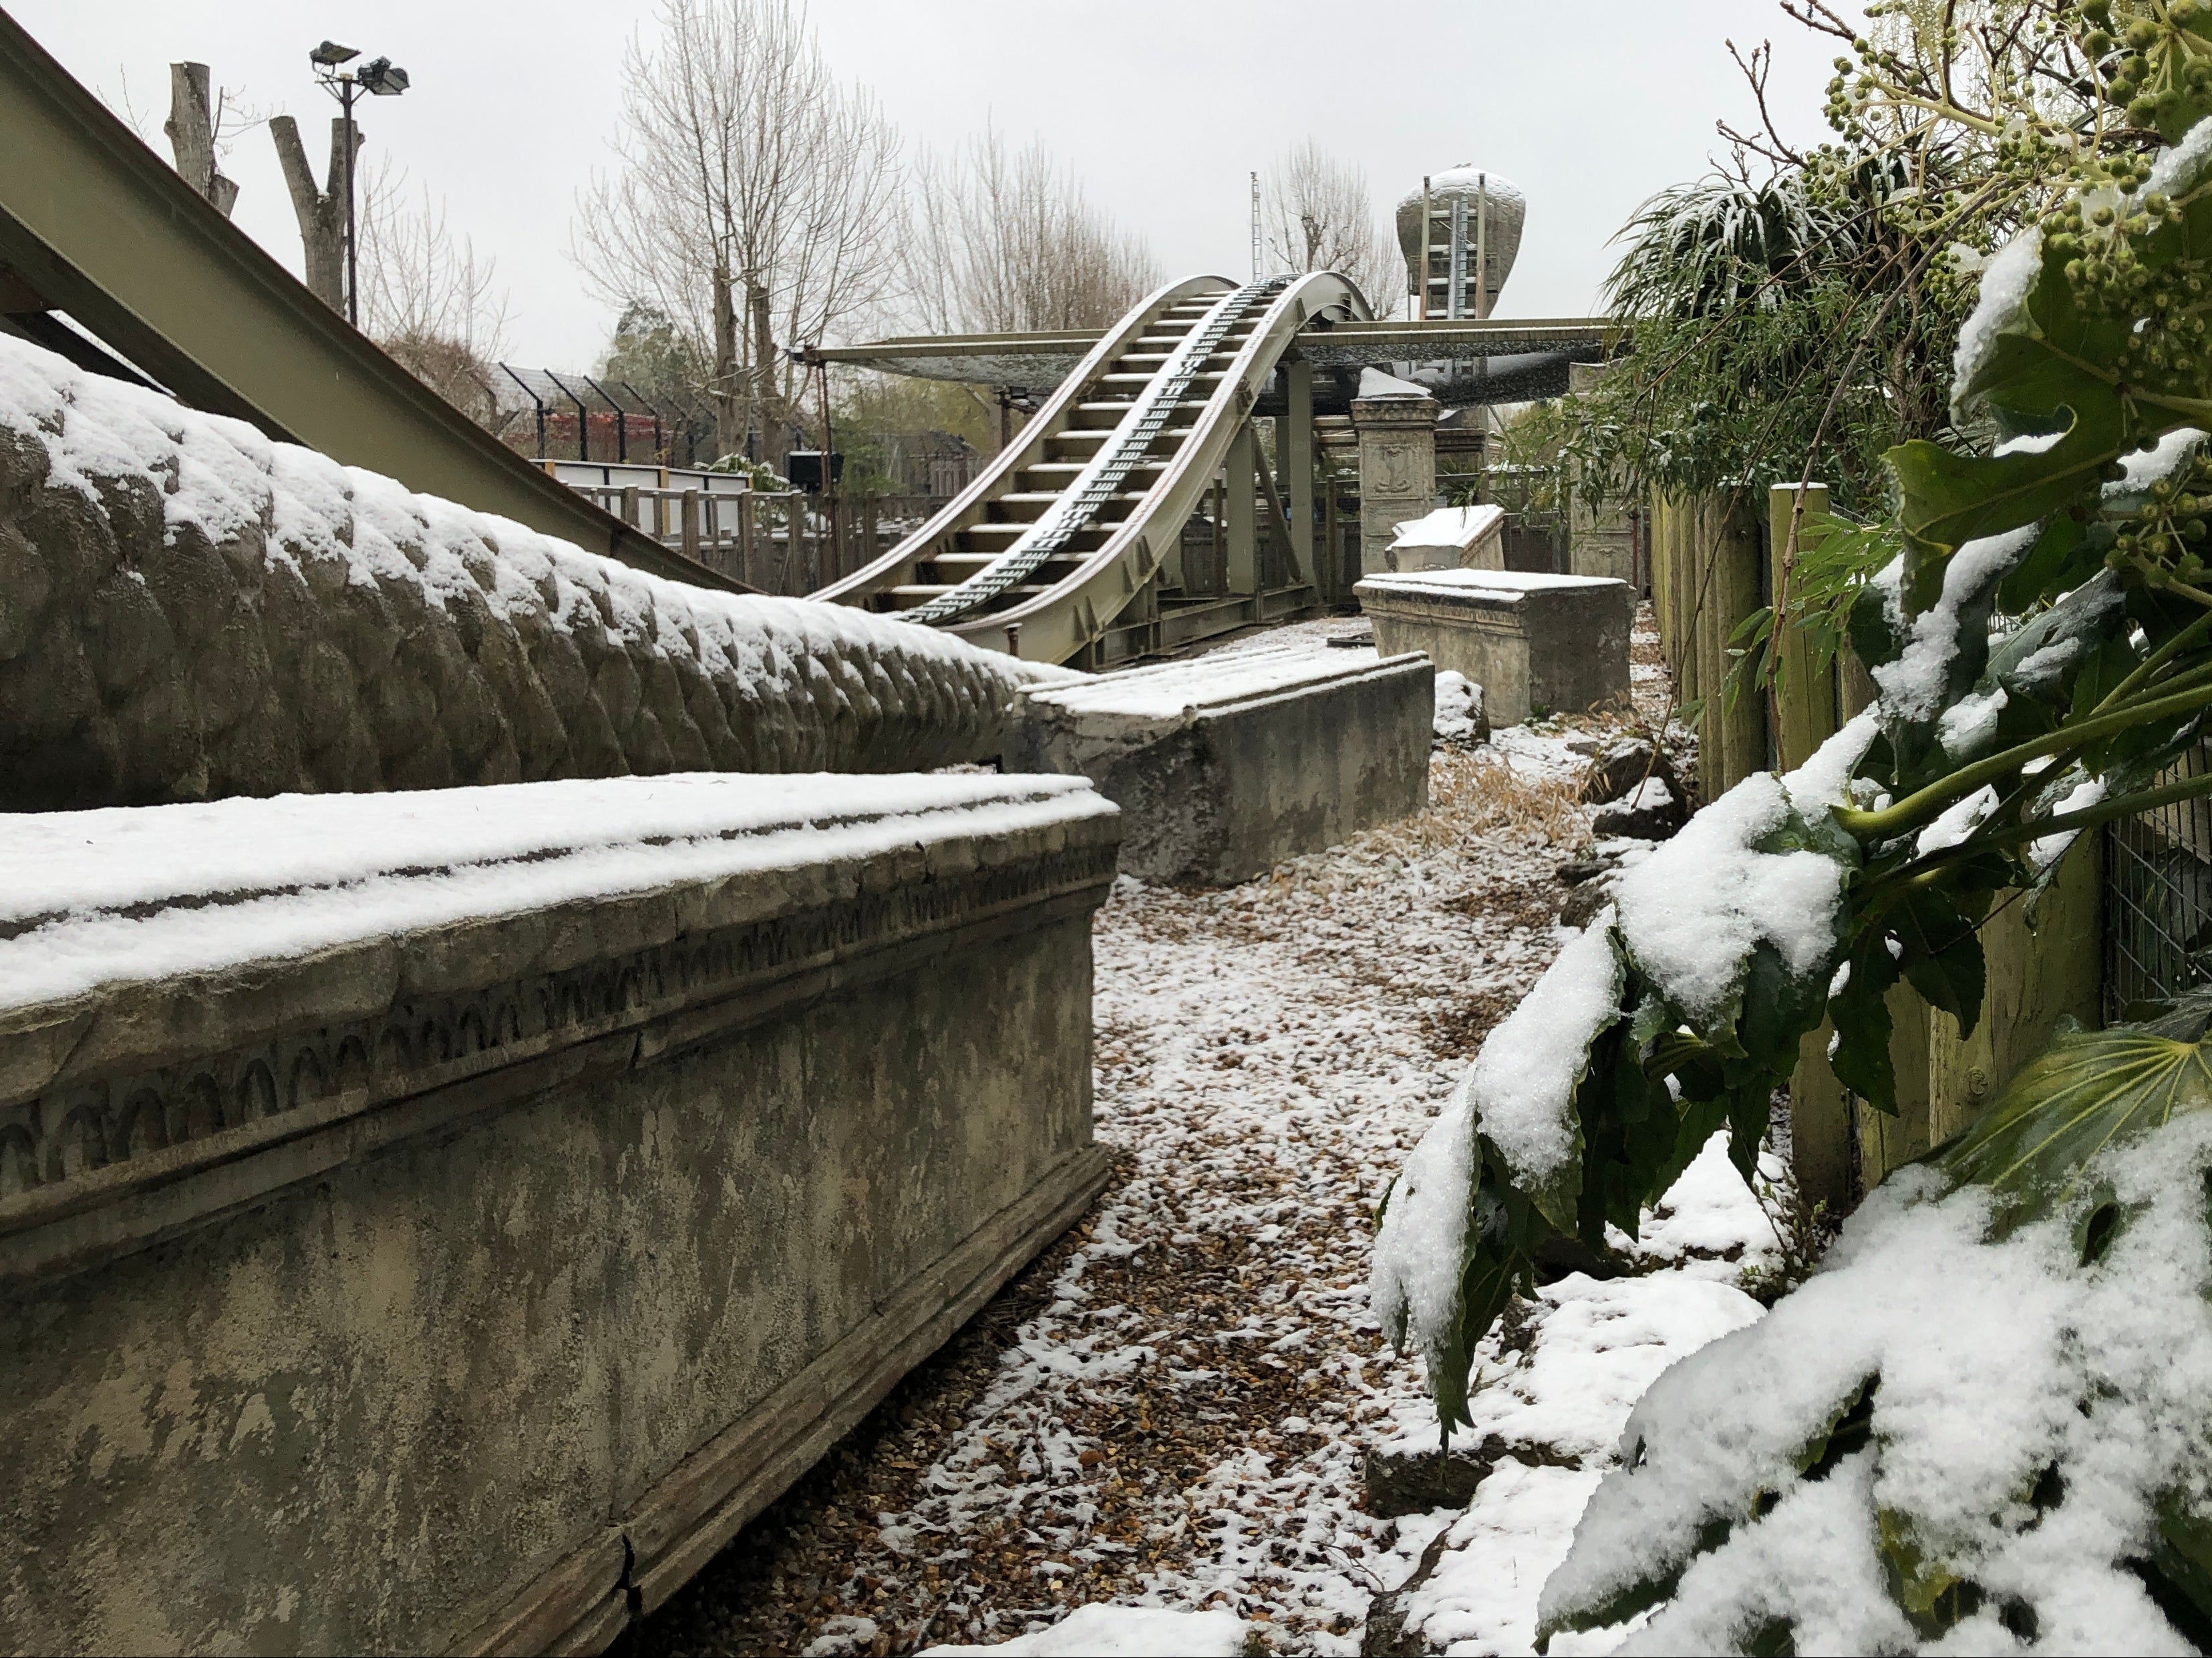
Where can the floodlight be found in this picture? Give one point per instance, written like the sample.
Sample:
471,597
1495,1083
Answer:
331,54
382,77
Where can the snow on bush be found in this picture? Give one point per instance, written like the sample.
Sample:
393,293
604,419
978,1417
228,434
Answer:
1755,870
1958,1424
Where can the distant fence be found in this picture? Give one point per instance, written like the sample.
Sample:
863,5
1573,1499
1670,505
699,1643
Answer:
782,542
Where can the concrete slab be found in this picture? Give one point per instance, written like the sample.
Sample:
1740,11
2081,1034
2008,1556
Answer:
438,1222
1554,644
1225,765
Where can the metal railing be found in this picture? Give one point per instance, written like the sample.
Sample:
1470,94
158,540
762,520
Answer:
782,542
2158,898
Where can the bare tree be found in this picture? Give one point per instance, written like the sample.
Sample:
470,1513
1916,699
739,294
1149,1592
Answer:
198,126
754,197
321,212
1317,214
1001,241
427,298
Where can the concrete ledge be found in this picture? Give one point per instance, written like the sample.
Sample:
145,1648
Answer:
466,1283
1557,643
1228,764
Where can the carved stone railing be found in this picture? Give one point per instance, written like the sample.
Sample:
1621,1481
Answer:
189,611
402,1256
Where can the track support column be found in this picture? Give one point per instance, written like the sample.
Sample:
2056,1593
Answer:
1242,527
1294,464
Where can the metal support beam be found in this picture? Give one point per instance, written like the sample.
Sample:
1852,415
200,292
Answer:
1242,483
101,227
1294,462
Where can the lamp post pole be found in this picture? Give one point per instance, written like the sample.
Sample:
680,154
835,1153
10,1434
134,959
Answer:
384,79
347,86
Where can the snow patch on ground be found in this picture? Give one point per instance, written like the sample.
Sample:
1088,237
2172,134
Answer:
1111,1631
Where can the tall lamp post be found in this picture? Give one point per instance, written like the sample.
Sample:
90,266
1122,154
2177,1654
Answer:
380,77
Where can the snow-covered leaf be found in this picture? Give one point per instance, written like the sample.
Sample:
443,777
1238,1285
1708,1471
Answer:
2091,1090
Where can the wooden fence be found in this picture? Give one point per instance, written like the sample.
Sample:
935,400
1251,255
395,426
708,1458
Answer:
1716,559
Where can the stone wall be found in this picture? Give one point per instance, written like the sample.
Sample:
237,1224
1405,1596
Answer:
1535,643
1226,764
467,1285
189,611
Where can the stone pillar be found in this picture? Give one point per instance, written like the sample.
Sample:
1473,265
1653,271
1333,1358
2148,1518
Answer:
1397,469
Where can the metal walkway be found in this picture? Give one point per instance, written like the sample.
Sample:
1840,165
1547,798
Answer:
1069,544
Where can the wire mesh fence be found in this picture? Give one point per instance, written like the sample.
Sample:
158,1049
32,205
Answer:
2158,898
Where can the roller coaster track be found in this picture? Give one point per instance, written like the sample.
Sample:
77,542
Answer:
1073,523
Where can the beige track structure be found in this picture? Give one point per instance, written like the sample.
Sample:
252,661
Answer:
1059,552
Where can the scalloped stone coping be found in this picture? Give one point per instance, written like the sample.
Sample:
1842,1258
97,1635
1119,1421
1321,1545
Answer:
438,1221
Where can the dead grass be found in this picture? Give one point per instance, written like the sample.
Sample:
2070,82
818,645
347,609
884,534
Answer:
1479,793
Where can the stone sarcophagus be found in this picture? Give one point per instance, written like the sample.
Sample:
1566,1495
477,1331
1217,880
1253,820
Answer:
1536,644
1226,764
436,1221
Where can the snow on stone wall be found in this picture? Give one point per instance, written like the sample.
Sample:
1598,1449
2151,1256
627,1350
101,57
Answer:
189,610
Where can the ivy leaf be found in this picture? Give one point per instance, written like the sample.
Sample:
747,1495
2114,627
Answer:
1947,498
2088,1089
1861,1013
2178,1573
1874,637
2033,662
2055,564
1943,955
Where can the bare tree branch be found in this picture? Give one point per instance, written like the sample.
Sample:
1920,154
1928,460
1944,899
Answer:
1317,214
752,195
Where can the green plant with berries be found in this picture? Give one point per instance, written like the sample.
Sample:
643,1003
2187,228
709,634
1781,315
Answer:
2036,615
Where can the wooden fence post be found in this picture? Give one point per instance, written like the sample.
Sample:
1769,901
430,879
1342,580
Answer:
748,558
1731,741
1805,697
690,522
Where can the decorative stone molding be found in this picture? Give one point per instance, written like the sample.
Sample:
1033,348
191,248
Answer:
230,617
96,1134
466,1287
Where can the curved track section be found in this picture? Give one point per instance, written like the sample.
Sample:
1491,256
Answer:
1069,524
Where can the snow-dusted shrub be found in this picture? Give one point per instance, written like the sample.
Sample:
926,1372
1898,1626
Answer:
2000,1367
1990,1412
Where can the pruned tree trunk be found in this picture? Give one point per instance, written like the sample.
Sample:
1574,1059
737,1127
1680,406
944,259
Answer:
728,385
321,213
773,446
191,129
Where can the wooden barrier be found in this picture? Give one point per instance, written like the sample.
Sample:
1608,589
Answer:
1840,1146
1705,579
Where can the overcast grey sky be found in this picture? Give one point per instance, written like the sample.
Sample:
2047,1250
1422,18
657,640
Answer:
1162,107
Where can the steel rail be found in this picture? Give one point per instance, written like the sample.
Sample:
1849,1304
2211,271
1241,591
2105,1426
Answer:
1059,624
1131,441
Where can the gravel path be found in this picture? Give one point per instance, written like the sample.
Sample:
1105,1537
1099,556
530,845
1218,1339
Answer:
1173,1405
